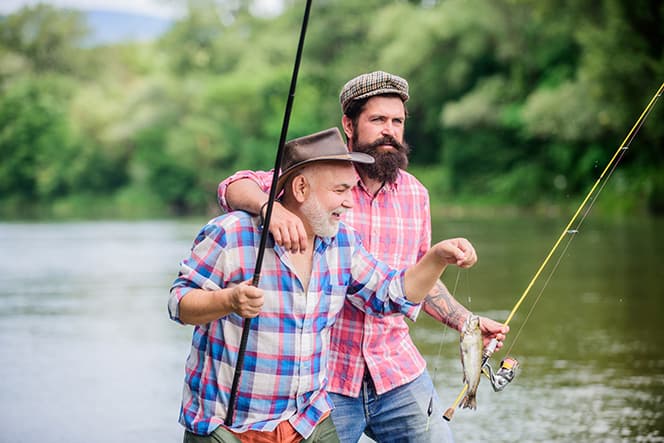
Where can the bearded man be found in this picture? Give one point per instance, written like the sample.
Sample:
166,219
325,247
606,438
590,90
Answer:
378,379
282,395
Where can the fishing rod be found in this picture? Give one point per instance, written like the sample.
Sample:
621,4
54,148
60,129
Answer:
246,327
508,366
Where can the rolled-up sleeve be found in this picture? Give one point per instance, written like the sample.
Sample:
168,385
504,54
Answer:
199,270
261,178
378,289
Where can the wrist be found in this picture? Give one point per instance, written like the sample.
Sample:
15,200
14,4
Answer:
463,319
262,211
224,301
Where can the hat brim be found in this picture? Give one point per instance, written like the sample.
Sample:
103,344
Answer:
384,91
352,157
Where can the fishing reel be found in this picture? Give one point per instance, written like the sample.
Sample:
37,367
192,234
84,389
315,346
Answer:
504,375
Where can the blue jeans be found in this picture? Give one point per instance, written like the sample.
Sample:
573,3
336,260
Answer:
399,415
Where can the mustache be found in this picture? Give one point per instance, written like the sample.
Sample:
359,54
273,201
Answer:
340,210
386,140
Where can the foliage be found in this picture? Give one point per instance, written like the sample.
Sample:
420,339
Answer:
45,39
35,142
513,102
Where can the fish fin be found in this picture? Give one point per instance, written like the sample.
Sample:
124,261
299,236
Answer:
469,402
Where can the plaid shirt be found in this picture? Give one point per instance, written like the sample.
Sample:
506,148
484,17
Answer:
395,227
284,375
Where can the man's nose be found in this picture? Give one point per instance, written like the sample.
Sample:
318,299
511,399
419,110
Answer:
348,201
388,129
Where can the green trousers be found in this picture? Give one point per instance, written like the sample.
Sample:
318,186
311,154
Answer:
324,432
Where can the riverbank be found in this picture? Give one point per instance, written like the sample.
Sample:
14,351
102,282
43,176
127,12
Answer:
100,208
613,201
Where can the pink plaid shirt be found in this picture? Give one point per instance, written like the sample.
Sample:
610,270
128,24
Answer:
396,228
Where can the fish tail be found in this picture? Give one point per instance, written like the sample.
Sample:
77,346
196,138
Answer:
469,402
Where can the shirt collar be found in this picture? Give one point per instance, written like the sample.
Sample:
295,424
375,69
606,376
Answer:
320,243
387,187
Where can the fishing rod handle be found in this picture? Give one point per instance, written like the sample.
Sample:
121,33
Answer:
490,349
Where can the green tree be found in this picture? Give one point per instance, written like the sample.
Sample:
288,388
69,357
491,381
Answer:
36,142
512,101
45,38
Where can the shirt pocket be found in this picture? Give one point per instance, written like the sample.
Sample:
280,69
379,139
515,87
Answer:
336,295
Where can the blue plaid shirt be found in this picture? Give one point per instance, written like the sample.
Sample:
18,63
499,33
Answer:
284,375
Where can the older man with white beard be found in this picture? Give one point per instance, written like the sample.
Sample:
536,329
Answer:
282,395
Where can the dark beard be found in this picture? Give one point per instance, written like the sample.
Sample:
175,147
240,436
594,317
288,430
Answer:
387,165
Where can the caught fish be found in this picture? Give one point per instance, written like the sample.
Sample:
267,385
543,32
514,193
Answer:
471,358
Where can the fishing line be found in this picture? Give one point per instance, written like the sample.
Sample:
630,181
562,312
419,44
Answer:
571,235
610,167
470,297
440,346
440,350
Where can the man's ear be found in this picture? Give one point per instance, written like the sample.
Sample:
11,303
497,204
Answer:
300,188
347,124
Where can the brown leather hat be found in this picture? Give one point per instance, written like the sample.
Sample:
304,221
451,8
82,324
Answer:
322,146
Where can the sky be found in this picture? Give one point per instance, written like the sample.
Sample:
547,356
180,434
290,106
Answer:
156,8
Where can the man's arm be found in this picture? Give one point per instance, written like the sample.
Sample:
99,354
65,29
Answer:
246,195
443,307
421,277
202,306
262,179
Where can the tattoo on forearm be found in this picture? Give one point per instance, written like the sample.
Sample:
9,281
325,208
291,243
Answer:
442,306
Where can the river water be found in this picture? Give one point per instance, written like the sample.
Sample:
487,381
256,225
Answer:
89,354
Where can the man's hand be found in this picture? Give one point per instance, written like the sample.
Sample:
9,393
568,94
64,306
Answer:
492,329
246,300
287,229
456,251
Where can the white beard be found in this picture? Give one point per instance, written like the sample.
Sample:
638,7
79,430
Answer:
319,219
